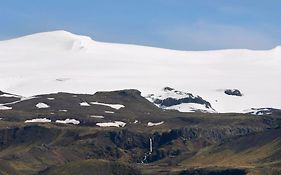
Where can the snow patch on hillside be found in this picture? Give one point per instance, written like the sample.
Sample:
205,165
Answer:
42,106
38,120
2,107
84,104
10,96
191,107
109,112
68,121
155,124
260,111
112,124
97,116
114,106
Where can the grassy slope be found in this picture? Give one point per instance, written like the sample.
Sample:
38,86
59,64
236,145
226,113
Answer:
257,152
92,167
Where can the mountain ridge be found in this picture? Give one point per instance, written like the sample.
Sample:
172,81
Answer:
64,62
65,34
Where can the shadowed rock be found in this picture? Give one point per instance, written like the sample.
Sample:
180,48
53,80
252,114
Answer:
234,92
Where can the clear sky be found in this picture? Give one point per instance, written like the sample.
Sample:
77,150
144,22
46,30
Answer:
175,24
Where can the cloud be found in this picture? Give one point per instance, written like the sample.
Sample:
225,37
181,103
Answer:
202,36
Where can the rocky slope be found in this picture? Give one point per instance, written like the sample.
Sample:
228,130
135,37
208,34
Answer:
152,140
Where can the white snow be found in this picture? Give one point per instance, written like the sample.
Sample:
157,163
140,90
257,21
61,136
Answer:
38,120
258,111
42,106
51,98
109,112
191,107
112,124
136,121
97,116
155,124
84,104
10,95
2,107
63,110
68,121
169,94
38,60
114,106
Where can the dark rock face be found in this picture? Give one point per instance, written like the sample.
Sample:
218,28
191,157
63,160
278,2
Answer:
211,135
191,99
234,92
27,134
202,137
168,88
162,143
127,140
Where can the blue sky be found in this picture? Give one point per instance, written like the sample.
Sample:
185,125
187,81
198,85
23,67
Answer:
175,24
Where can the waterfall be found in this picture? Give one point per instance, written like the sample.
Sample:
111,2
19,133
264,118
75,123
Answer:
150,146
150,151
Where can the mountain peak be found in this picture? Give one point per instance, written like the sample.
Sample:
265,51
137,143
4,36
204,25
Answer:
59,39
277,48
57,33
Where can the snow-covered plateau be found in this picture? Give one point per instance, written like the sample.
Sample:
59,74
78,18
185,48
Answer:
60,61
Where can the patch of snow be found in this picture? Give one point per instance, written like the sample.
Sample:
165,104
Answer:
114,106
136,121
112,124
38,120
84,104
97,116
259,111
191,107
63,110
155,124
68,121
109,112
51,98
168,92
5,107
10,95
42,106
